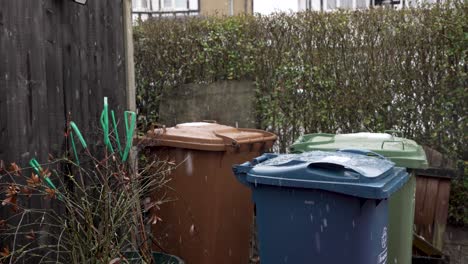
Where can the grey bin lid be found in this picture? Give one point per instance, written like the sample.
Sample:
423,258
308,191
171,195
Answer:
341,172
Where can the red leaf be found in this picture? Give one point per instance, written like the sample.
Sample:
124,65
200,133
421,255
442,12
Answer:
5,252
154,219
51,194
34,181
45,173
11,194
8,200
3,223
15,169
2,166
31,235
26,191
115,261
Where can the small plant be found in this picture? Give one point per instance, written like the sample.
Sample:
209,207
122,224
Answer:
96,213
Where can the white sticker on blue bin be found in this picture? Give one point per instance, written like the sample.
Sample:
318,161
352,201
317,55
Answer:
382,258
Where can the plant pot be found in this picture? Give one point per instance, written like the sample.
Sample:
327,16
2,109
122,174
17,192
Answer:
159,258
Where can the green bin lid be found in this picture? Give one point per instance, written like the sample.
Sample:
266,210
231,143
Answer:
404,152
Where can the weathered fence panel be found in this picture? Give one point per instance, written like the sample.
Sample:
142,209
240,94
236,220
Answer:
56,58
432,197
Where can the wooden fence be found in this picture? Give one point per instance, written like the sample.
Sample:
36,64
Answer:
57,58
432,197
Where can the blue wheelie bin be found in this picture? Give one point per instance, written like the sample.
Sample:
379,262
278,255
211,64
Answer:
322,207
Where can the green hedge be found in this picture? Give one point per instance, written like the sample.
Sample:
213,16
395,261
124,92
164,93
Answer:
324,72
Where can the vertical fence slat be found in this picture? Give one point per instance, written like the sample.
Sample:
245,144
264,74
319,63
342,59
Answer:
441,213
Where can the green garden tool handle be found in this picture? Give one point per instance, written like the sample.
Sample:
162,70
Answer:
129,130
78,134
80,137
38,169
105,125
35,165
116,132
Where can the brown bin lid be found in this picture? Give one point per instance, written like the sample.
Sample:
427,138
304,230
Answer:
205,136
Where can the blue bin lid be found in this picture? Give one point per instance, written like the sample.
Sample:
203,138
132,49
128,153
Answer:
352,173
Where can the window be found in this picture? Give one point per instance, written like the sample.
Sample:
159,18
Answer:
346,4
140,4
387,2
361,4
174,4
144,9
331,5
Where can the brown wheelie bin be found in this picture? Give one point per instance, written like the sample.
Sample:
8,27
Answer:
209,217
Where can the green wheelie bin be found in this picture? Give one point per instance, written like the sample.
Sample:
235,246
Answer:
405,153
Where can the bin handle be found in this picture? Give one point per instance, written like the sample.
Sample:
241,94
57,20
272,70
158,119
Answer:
232,142
331,167
394,131
241,170
210,121
364,152
393,141
262,158
229,141
309,137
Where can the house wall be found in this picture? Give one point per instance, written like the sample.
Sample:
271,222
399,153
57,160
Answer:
223,7
153,5
143,9
330,5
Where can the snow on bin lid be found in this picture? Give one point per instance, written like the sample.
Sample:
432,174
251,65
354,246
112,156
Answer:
404,152
206,136
347,173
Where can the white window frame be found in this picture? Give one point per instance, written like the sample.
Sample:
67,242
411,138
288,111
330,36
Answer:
138,5
172,7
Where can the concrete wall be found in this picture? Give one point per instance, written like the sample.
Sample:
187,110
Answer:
223,7
227,102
